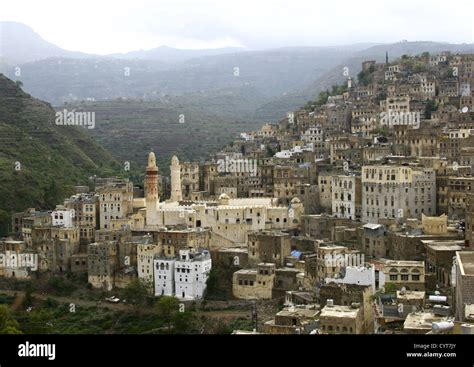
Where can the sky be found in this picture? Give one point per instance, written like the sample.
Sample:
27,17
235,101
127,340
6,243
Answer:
110,26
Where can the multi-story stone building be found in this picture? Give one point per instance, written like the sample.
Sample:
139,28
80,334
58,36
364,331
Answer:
190,179
397,192
102,264
268,247
405,274
86,210
254,283
115,203
464,284
336,319
346,196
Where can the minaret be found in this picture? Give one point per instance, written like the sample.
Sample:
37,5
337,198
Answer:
152,178
386,57
175,168
152,195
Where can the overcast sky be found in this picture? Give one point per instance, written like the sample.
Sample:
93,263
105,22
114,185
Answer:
107,26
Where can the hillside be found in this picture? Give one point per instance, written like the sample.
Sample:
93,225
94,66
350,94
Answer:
272,73
174,55
51,158
334,76
129,129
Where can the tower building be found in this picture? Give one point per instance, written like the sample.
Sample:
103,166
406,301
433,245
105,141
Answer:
175,169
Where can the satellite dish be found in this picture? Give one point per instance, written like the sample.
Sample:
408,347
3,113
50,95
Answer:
465,109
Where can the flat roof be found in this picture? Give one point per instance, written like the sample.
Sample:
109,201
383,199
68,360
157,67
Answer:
466,262
372,226
404,263
408,295
422,320
339,311
446,247
246,271
304,312
233,249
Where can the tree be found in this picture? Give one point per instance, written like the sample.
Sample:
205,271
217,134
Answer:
182,322
167,308
39,322
137,292
431,106
29,289
390,288
8,325
5,221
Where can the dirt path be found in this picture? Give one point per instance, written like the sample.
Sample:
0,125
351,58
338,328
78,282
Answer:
67,300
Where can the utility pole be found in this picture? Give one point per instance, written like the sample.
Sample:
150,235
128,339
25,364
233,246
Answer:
255,316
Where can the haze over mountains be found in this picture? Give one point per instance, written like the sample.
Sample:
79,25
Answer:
139,95
278,80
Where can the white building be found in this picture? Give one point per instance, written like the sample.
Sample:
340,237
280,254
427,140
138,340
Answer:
191,272
62,217
359,275
184,277
164,277
345,190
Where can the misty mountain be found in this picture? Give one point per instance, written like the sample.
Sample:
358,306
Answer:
278,107
273,73
20,44
173,55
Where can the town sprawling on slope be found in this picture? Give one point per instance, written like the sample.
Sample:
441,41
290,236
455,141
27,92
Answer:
351,215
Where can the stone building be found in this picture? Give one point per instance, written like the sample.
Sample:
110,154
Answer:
268,247
190,179
469,228
346,295
146,253
254,283
464,285
405,274
287,180
374,240
331,259
397,192
439,259
17,259
172,240
231,257
115,203
102,264
86,209
336,319
292,320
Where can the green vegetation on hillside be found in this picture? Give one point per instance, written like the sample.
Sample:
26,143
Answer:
131,129
40,162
